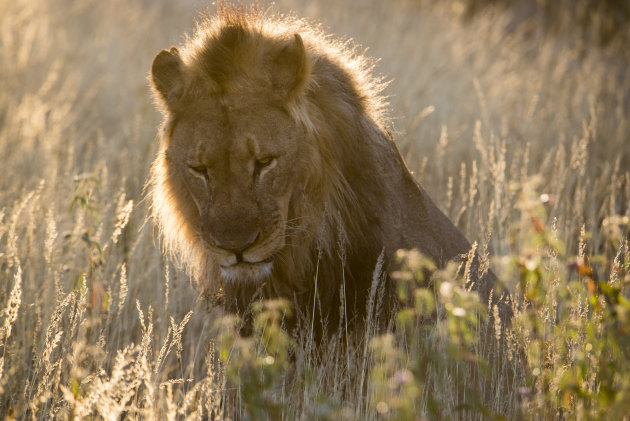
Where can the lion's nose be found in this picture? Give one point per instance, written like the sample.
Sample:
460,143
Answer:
237,245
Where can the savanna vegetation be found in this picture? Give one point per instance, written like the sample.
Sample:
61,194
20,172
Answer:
513,115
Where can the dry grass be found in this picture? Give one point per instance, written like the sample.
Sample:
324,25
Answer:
96,323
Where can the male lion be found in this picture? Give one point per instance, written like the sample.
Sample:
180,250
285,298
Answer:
277,175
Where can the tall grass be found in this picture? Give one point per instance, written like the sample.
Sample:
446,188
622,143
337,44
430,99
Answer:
520,135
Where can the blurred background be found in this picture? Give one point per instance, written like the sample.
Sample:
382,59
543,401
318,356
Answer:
486,96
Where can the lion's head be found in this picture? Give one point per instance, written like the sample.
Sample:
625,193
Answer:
248,164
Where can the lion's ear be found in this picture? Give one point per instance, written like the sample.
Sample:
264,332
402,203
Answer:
290,68
167,76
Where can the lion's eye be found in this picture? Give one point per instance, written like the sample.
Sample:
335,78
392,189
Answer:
199,171
263,163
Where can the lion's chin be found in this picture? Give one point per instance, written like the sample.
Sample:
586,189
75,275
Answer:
246,272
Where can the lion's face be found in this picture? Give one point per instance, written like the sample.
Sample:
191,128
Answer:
229,185
235,169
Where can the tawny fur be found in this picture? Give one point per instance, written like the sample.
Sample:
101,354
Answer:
353,196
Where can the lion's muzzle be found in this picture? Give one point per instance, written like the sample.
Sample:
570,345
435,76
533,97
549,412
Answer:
238,244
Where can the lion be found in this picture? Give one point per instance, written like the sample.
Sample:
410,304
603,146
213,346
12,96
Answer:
277,174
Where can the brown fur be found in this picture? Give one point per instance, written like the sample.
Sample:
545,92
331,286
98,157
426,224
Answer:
335,193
